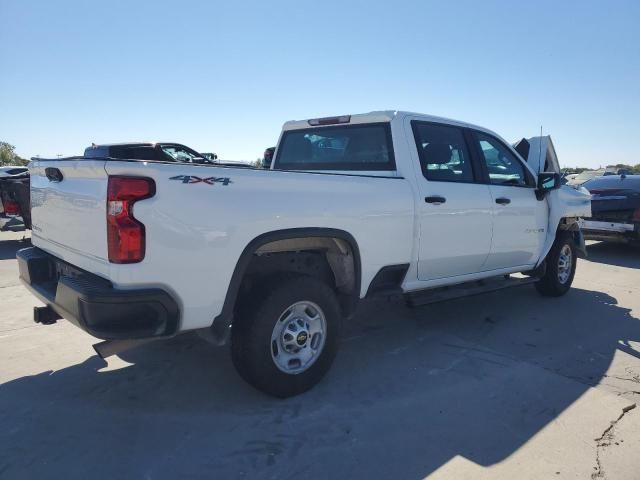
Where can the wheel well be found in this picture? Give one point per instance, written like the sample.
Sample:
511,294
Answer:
568,223
329,258
329,254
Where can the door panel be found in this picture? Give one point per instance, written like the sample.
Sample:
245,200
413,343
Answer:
519,227
519,219
455,213
455,236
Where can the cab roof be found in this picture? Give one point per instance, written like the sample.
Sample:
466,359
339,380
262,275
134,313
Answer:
378,116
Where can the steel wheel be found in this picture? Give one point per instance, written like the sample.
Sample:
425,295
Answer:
565,261
298,337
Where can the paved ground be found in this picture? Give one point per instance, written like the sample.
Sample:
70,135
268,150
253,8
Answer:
507,385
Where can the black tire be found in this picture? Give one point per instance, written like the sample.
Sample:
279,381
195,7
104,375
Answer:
550,284
251,345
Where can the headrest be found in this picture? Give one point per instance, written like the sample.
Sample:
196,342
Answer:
438,153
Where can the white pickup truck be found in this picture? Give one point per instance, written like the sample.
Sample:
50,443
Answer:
353,206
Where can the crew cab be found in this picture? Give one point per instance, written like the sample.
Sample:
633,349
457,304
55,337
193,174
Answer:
353,206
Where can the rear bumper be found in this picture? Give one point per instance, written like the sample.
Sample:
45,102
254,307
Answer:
91,302
610,231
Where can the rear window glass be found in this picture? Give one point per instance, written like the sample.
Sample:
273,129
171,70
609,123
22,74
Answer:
631,182
344,147
135,153
16,171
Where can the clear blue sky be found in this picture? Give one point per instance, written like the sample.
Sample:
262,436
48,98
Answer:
224,76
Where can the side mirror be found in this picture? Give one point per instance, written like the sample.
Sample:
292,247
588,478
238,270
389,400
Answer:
548,181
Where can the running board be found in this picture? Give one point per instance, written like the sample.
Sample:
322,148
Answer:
442,294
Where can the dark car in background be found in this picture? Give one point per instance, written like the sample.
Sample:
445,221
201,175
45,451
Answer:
615,209
267,157
15,205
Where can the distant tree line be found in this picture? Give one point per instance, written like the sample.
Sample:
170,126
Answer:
634,169
8,156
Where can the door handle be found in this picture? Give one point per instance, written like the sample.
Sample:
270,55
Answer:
53,174
436,200
503,201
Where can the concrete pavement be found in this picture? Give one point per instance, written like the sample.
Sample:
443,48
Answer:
506,385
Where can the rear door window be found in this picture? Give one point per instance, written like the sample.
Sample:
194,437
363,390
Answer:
344,147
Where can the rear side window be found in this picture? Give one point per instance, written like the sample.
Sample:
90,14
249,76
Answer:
345,147
443,153
16,171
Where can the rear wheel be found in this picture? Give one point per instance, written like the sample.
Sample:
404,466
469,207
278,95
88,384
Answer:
560,267
286,341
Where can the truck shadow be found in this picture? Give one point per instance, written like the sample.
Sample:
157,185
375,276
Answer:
409,391
620,255
8,248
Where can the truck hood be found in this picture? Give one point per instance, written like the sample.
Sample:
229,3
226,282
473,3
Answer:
539,153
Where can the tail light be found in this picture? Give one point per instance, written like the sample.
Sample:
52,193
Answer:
636,215
125,234
10,208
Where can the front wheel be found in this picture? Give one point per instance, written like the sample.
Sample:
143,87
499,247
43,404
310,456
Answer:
560,267
285,343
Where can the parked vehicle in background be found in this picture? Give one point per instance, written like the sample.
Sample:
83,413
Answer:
585,176
156,152
354,206
267,157
615,209
616,171
10,170
210,156
15,205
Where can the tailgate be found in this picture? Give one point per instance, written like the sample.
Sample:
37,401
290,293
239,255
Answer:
68,210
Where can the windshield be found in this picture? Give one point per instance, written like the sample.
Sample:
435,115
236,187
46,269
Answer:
344,147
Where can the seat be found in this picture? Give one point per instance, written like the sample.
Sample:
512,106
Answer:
363,148
437,154
299,149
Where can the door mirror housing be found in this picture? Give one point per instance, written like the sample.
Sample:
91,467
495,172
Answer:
548,181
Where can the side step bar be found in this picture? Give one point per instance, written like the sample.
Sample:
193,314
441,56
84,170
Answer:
441,294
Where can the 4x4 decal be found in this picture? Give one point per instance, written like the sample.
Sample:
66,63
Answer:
207,180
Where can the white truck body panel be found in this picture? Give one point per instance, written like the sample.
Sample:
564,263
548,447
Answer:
196,232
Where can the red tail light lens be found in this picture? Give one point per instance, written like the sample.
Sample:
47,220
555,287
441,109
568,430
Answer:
125,234
636,215
10,208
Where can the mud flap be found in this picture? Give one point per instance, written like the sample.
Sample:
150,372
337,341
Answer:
578,238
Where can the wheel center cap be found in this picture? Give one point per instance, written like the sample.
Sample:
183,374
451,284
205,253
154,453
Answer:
301,338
